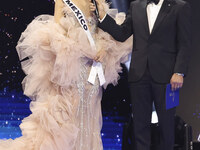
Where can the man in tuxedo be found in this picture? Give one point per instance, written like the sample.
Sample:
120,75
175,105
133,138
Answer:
161,45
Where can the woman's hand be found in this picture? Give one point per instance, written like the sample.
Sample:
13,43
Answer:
101,10
100,56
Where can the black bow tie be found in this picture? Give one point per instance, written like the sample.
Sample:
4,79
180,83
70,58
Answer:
153,1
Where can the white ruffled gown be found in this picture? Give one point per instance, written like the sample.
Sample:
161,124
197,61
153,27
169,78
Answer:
66,109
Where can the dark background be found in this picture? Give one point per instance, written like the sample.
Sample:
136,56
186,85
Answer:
16,14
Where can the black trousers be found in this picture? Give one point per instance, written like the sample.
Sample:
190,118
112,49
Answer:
143,93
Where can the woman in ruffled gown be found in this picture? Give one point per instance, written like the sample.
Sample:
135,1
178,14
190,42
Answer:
66,108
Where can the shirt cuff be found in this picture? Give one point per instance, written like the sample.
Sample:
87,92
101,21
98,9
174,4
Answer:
101,20
180,74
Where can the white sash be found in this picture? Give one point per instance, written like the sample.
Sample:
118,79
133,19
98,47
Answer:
97,68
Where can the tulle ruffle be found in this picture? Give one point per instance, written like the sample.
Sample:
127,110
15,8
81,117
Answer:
53,55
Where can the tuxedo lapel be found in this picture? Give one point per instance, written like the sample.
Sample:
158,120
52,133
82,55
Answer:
143,13
165,8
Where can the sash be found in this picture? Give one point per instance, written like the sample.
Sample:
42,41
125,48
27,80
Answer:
97,68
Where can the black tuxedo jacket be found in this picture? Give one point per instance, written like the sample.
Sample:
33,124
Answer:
166,49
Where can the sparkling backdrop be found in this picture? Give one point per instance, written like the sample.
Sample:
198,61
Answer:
15,15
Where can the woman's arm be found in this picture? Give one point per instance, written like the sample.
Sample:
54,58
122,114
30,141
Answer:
58,13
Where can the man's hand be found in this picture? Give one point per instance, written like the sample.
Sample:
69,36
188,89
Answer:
100,56
176,81
102,12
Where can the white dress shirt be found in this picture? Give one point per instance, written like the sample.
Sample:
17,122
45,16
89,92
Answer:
152,13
